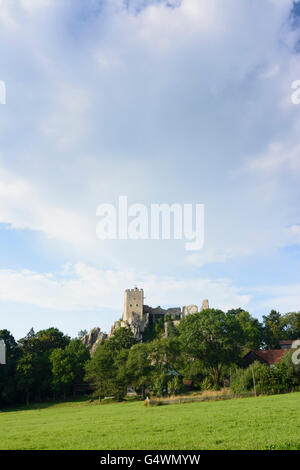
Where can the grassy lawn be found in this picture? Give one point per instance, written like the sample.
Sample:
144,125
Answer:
249,423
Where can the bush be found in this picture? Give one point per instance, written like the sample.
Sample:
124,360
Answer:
271,380
242,381
159,388
207,384
175,386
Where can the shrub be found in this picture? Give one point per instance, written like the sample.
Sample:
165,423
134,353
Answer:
175,386
271,380
207,384
159,388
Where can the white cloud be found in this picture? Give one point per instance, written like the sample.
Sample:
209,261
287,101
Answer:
166,105
81,287
292,234
32,6
276,157
7,20
270,72
284,298
22,207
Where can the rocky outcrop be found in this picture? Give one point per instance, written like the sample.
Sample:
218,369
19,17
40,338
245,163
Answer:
93,338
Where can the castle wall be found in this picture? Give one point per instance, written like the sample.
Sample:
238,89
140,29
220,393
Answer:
190,309
138,316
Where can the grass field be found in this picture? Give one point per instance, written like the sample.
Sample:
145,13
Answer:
271,422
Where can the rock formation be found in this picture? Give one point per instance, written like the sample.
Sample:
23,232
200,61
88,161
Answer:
93,338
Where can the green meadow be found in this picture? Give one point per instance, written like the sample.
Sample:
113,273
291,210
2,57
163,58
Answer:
265,422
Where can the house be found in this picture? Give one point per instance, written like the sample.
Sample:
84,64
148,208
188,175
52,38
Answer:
286,344
268,357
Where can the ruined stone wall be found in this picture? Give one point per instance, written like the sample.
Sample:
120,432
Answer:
190,309
174,312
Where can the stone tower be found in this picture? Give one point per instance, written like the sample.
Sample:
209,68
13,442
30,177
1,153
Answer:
133,305
205,304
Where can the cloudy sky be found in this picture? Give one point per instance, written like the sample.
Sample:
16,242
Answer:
164,101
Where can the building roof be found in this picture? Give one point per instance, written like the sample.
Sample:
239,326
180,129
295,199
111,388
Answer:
286,341
270,356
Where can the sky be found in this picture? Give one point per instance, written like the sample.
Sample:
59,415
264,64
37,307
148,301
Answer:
164,102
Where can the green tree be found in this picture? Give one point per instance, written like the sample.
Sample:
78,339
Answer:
139,368
107,369
251,327
44,341
100,371
82,333
39,347
214,338
165,357
273,330
291,322
68,366
122,338
62,371
27,375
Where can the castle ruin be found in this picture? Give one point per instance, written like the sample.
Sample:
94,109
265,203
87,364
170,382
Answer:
137,316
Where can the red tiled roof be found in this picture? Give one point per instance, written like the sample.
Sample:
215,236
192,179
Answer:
271,356
286,341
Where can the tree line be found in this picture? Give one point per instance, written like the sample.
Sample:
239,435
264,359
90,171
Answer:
206,347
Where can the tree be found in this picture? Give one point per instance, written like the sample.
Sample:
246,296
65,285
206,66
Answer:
107,370
44,341
26,374
165,352
165,357
212,337
39,347
100,371
273,330
62,372
120,379
252,329
68,366
291,322
139,367
82,333
79,355
122,338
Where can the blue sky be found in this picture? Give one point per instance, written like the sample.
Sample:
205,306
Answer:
163,101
